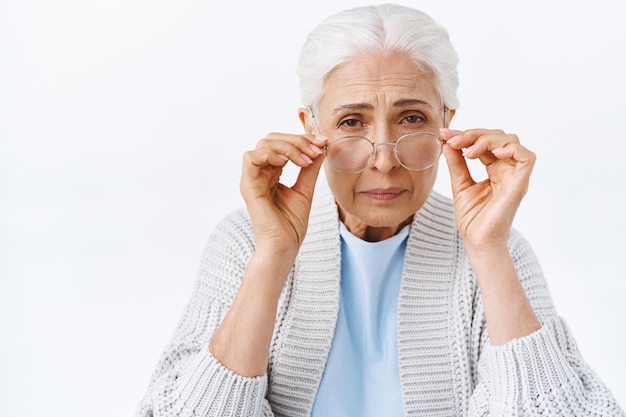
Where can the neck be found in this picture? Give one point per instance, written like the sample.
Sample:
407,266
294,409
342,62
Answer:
371,233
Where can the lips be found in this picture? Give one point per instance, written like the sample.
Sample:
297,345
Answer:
384,194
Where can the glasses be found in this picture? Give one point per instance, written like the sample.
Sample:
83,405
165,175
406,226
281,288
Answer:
415,151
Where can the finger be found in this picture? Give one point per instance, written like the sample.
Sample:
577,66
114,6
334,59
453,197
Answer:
258,177
514,152
486,142
460,176
463,138
300,149
271,152
260,171
479,143
257,159
307,177
446,133
466,141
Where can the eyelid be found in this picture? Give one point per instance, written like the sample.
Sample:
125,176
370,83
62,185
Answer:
423,117
346,118
418,113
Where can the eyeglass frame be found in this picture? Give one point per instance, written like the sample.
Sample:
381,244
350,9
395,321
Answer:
375,145
372,156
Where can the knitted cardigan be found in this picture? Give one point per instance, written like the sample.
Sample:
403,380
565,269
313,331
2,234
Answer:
447,366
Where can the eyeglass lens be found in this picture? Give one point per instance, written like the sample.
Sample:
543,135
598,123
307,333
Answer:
353,154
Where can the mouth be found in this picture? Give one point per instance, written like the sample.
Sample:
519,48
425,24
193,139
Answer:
384,194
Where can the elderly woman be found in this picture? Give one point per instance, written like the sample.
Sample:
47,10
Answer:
373,295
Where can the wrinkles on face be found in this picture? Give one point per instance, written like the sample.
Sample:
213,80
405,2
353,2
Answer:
378,96
369,93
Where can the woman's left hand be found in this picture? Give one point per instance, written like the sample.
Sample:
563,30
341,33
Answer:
484,216
485,209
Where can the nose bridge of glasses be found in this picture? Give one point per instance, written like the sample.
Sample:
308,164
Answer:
393,150
384,160
376,145
415,151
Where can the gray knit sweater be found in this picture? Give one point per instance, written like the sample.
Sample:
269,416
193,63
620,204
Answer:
447,366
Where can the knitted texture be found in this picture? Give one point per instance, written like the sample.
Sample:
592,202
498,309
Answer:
447,366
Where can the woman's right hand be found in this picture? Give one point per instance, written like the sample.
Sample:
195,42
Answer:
280,214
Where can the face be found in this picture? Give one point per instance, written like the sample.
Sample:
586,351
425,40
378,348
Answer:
380,97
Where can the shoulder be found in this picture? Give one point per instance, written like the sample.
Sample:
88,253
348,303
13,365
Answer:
234,233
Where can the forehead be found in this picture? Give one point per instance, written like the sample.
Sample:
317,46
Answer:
378,80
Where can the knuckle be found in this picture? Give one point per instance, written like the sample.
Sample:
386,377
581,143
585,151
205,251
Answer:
255,157
262,143
512,137
468,134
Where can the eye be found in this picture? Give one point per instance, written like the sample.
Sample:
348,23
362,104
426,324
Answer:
350,123
414,119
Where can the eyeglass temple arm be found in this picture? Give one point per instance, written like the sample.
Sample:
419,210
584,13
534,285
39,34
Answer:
445,111
317,127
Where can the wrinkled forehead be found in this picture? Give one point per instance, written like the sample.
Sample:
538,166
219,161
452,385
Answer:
378,80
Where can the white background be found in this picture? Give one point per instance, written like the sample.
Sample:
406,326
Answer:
122,125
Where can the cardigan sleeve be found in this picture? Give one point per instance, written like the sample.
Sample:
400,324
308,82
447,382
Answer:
188,380
542,374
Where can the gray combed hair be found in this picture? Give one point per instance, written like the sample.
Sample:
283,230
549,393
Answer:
378,29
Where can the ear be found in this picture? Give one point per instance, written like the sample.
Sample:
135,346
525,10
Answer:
449,116
306,118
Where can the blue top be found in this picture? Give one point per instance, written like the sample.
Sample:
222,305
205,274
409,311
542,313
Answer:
362,377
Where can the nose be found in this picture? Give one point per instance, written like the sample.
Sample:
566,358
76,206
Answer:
385,157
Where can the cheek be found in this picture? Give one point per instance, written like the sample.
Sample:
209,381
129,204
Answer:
427,176
342,186
423,182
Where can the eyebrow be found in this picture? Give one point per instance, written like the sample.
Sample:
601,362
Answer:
367,106
411,102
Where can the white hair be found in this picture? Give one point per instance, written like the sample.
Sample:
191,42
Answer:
378,29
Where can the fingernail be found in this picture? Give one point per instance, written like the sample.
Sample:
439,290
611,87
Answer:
320,138
283,157
496,151
453,139
467,150
306,158
316,149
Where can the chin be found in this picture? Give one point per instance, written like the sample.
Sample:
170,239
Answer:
386,219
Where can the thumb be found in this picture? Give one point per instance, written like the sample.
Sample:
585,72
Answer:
307,177
460,176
